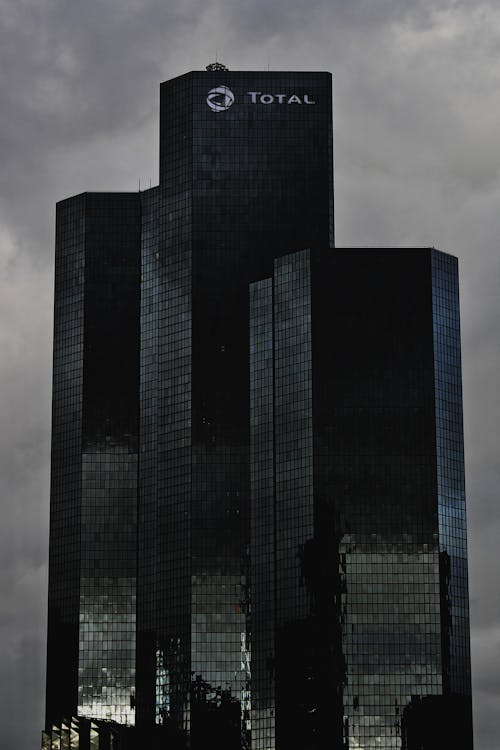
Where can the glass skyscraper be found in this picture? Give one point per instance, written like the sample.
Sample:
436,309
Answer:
360,632
257,504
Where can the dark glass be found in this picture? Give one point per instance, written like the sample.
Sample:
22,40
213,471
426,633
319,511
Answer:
237,188
352,377
257,504
92,574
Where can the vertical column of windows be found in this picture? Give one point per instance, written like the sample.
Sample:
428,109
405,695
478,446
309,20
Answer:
293,430
62,657
148,692
172,627
376,454
106,674
262,514
450,470
108,530
294,513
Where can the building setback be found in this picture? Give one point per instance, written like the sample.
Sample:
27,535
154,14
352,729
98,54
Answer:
359,564
257,503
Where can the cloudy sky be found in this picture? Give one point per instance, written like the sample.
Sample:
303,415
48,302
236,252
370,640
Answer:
417,156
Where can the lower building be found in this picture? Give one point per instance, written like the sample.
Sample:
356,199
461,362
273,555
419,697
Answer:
80,733
359,563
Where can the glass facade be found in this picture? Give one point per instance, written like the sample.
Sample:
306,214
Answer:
93,532
65,504
370,620
237,187
450,470
263,589
257,508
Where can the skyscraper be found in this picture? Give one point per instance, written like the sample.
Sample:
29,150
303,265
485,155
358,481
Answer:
257,512
95,430
359,571
237,187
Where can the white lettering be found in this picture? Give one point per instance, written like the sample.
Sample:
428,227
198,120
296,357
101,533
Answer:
258,96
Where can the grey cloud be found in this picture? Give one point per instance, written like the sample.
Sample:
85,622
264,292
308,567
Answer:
488,640
70,72
358,15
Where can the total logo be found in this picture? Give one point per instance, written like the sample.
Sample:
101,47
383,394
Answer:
258,96
221,98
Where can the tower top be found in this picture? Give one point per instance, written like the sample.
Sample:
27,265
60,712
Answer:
216,66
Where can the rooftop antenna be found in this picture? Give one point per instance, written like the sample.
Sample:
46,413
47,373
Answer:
216,66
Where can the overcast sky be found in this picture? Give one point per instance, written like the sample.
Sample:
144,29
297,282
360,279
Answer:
417,155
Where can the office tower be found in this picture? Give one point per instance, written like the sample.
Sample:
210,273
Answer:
92,572
237,187
360,632
215,456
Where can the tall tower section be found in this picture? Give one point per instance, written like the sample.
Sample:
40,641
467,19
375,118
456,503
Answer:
95,431
245,176
360,622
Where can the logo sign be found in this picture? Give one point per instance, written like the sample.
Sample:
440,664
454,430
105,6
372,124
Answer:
258,96
220,99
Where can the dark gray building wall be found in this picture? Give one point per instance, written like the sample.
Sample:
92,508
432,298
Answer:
92,576
450,471
236,188
262,533
369,613
65,496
